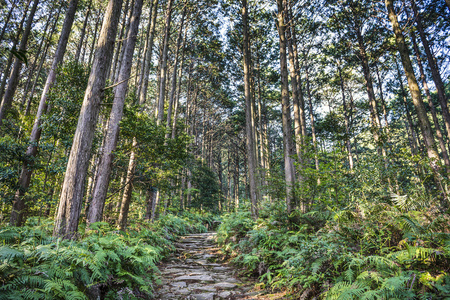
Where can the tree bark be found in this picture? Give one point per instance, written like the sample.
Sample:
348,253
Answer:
39,53
145,71
173,86
41,63
437,126
286,118
27,168
66,223
346,120
83,32
163,68
249,129
443,101
424,123
313,126
7,19
112,135
15,73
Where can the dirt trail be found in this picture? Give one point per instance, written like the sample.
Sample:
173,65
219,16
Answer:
192,273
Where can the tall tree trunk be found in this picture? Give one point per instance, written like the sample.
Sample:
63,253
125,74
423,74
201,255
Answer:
173,86
145,71
94,38
299,137
7,19
313,126
83,31
123,42
163,68
66,223
285,110
346,120
15,73
249,129
411,132
424,123
15,40
177,97
437,126
112,135
126,198
375,120
27,168
39,52
443,100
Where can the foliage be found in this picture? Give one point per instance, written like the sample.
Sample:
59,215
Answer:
369,251
104,262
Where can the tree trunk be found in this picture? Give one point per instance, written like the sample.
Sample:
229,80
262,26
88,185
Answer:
45,38
346,120
286,118
41,63
83,32
94,39
434,70
163,68
313,126
126,198
173,86
430,103
299,137
27,168
249,129
375,120
145,71
7,19
15,73
424,123
66,223
112,135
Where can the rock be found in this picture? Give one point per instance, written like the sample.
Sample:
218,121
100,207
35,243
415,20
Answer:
195,278
225,285
180,284
224,294
203,296
192,275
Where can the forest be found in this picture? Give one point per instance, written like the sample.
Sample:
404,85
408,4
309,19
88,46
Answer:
312,136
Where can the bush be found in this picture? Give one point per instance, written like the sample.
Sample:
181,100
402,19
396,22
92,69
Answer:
104,262
376,251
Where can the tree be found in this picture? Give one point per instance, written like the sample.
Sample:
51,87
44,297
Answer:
286,118
69,208
424,122
15,73
27,168
112,134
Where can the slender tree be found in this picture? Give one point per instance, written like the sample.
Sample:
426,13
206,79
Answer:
286,112
15,73
27,168
112,135
66,223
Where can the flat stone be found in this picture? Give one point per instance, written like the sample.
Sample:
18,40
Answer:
204,296
220,269
224,294
225,285
200,287
194,278
179,284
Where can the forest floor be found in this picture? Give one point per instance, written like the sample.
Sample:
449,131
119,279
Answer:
195,271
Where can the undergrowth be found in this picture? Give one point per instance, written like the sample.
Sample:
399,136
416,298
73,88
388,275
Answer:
366,251
102,264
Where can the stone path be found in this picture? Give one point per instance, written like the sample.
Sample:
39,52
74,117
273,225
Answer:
192,273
